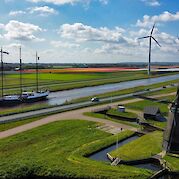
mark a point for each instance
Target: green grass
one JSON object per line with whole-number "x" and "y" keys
{"x": 140, "y": 107}
{"x": 117, "y": 113}
{"x": 172, "y": 162}
{"x": 57, "y": 150}
{"x": 13, "y": 124}
{"x": 54, "y": 81}
{"x": 63, "y": 81}
{"x": 14, "y": 110}
{"x": 130, "y": 90}
{"x": 142, "y": 104}
{"x": 141, "y": 148}
{"x": 157, "y": 123}
{"x": 163, "y": 91}
{"x": 103, "y": 116}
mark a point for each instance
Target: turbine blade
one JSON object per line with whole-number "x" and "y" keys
{"x": 143, "y": 37}
{"x": 156, "y": 41}
{"x": 6, "y": 52}
{"x": 152, "y": 29}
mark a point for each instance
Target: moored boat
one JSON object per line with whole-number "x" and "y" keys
{"x": 7, "y": 100}
{"x": 34, "y": 96}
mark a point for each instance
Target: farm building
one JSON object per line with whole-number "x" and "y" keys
{"x": 153, "y": 112}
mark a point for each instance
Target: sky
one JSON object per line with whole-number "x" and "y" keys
{"x": 89, "y": 31}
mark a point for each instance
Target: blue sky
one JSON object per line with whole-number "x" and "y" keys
{"x": 89, "y": 31}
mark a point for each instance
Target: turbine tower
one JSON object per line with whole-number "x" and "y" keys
{"x": 150, "y": 45}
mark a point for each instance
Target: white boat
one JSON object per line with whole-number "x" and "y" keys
{"x": 34, "y": 96}
{"x": 37, "y": 95}
{"x": 7, "y": 99}
{"x": 10, "y": 100}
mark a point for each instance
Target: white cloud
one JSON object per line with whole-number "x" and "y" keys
{"x": 164, "y": 17}
{"x": 72, "y": 2}
{"x": 57, "y": 2}
{"x": 151, "y": 2}
{"x": 81, "y": 33}
{"x": 43, "y": 10}
{"x": 62, "y": 44}
{"x": 21, "y": 31}
{"x": 1, "y": 26}
{"x": 15, "y": 13}
{"x": 14, "y": 45}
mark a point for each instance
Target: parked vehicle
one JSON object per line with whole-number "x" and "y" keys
{"x": 94, "y": 99}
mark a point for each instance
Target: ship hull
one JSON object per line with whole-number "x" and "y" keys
{"x": 6, "y": 103}
{"x": 35, "y": 97}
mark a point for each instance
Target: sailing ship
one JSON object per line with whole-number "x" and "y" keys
{"x": 38, "y": 94}
{"x": 9, "y": 100}
{"x": 6, "y": 99}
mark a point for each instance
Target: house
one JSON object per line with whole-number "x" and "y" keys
{"x": 153, "y": 112}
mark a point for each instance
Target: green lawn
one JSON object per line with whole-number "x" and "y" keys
{"x": 117, "y": 113}
{"x": 103, "y": 116}
{"x": 142, "y": 148}
{"x": 172, "y": 162}
{"x": 57, "y": 150}
{"x": 141, "y": 104}
{"x": 14, "y": 110}
{"x": 13, "y": 124}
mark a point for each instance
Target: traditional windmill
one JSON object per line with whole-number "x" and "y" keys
{"x": 171, "y": 134}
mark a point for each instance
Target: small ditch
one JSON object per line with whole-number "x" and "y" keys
{"x": 169, "y": 176}
{"x": 150, "y": 163}
{"x": 149, "y": 166}
{"x": 101, "y": 155}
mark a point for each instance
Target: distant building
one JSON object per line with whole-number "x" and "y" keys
{"x": 121, "y": 108}
{"x": 153, "y": 112}
{"x": 171, "y": 134}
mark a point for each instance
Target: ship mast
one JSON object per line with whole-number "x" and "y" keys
{"x": 20, "y": 71}
{"x": 37, "y": 80}
{"x": 2, "y": 71}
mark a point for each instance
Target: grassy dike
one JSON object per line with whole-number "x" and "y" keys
{"x": 142, "y": 148}
{"x": 58, "y": 150}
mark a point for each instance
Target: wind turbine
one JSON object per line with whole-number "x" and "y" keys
{"x": 150, "y": 45}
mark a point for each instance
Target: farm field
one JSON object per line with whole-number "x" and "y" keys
{"x": 51, "y": 151}
{"x": 69, "y": 80}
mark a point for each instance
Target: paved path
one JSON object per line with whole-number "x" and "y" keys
{"x": 76, "y": 114}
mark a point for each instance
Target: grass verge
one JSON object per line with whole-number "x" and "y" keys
{"x": 56, "y": 150}
{"x": 142, "y": 148}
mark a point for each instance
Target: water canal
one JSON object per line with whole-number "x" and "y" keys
{"x": 57, "y": 98}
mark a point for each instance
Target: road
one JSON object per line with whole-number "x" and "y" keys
{"x": 20, "y": 116}
{"x": 77, "y": 114}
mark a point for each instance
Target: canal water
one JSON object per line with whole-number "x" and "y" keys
{"x": 149, "y": 166}
{"x": 101, "y": 155}
{"x": 57, "y": 98}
